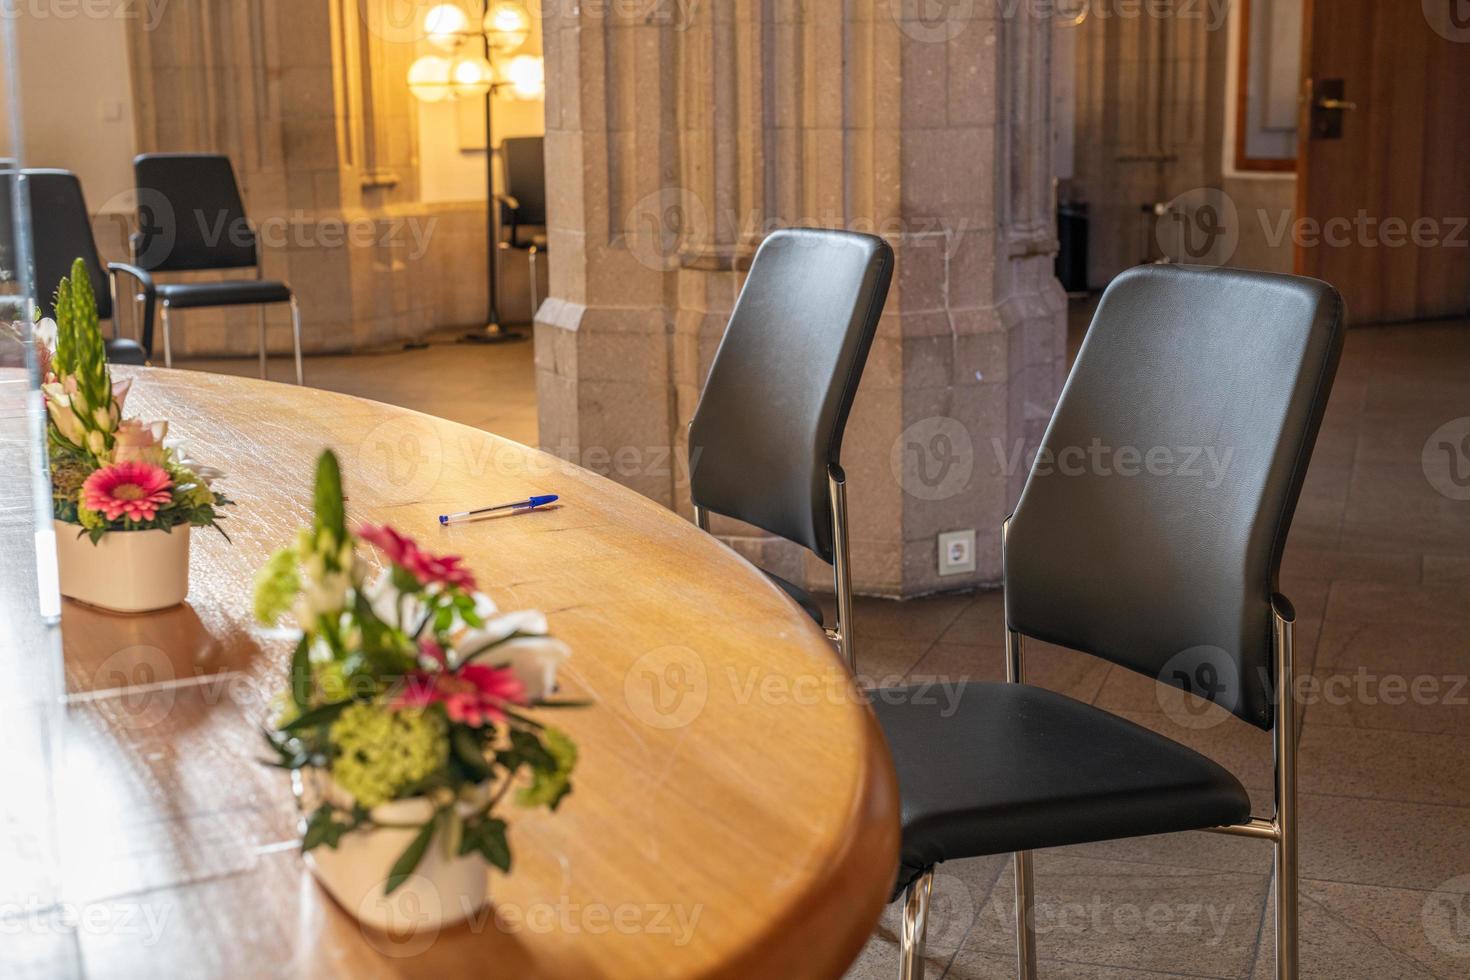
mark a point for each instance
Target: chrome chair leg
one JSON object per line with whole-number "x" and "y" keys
{"x": 296, "y": 339}
{"x": 1284, "y": 738}
{"x": 1025, "y": 876}
{"x": 260, "y": 325}
{"x": 1025, "y": 917}
{"x": 168, "y": 347}
{"x": 842, "y": 568}
{"x": 701, "y": 518}
{"x": 915, "y": 927}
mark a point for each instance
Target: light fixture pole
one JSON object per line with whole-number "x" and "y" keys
{"x": 492, "y": 332}
{"x": 434, "y": 78}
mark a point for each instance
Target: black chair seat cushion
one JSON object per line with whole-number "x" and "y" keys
{"x": 990, "y": 768}
{"x": 240, "y": 292}
{"x": 802, "y": 597}
{"x": 120, "y": 350}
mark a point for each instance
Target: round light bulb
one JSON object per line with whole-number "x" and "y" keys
{"x": 428, "y": 78}
{"x": 527, "y": 75}
{"x": 471, "y": 76}
{"x": 445, "y": 26}
{"x": 507, "y": 25}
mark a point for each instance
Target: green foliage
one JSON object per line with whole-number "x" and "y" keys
{"x": 276, "y": 585}
{"x": 324, "y": 826}
{"x": 411, "y": 856}
{"x": 81, "y": 354}
{"x": 379, "y": 751}
{"x": 485, "y": 835}
{"x": 331, "y": 509}
{"x": 551, "y": 771}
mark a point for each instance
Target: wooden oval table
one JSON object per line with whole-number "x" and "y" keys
{"x": 734, "y": 812}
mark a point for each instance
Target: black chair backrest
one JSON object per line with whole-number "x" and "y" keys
{"x": 190, "y": 215}
{"x": 783, "y": 380}
{"x": 524, "y": 159}
{"x": 1151, "y": 527}
{"x": 61, "y": 233}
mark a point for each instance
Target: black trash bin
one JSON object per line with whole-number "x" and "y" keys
{"x": 1071, "y": 265}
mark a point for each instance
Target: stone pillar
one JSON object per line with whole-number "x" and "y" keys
{"x": 679, "y": 137}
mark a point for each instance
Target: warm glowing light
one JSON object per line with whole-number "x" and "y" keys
{"x": 507, "y": 25}
{"x": 527, "y": 75}
{"x": 471, "y": 76}
{"x": 428, "y": 78}
{"x": 445, "y": 26}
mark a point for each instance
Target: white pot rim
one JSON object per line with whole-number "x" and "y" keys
{"x": 82, "y": 528}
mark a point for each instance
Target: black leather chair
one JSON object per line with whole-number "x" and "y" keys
{"x": 765, "y": 441}
{"x": 523, "y": 205}
{"x": 191, "y": 218}
{"x": 61, "y": 233}
{"x": 1167, "y": 570}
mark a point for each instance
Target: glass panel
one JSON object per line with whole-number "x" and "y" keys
{"x": 38, "y": 934}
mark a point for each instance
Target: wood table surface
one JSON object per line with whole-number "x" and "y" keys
{"x": 735, "y": 810}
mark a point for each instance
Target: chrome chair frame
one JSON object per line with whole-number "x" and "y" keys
{"x": 1280, "y": 828}
{"x": 842, "y": 633}
{"x": 163, "y": 321}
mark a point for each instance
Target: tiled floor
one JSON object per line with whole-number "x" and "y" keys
{"x": 1378, "y": 566}
{"x": 489, "y": 386}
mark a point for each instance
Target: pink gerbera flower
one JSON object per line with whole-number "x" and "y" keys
{"x": 131, "y": 489}
{"x": 405, "y": 553}
{"x": 474, "y": 696}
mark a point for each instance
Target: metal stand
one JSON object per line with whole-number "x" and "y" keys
{"x": 492, "y": 332}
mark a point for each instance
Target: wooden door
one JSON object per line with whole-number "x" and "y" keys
{"x": 1383, "y": 193}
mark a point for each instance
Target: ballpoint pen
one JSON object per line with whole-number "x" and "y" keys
{"x": 529, "y": 504}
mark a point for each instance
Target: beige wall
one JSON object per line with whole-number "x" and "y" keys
{"x": 76, "y": 97}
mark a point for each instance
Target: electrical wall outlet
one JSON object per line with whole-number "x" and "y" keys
{"x": 957, "y": 552}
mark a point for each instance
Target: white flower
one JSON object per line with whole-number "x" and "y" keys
{"x": 323, "y": 592}
{"x": 387, "y": 602}
{"x": 204, "y": 471}
{"x": 534, "y": 660}
{"x": 533, "y": 655}
{"x": 45, "y": 332}
{"x": 63, "y": 414}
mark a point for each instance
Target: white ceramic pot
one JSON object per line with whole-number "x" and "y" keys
{"x": 441, "y": 891}
{"x": 125, "y": 571}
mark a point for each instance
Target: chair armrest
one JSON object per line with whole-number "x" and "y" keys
{"x": 510, "y": 209}
{"x": 150, "y": 293}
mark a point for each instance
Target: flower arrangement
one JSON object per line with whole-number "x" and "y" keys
{"x": 109, "y": 473}
{"x": 408, "y": 684}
